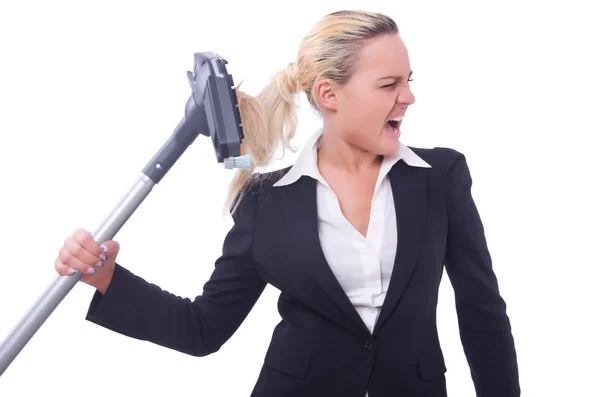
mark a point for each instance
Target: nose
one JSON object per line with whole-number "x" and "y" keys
{"x": 405, "y": 97}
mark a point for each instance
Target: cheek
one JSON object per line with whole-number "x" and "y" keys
{"x": 363, "y": 110}
{"x": 364, "y": 113}
{"x": 354, "y": 104}
{"x": 358, "y": 98}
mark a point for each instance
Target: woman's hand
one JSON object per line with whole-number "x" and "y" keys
{"x": 80, "y": 253}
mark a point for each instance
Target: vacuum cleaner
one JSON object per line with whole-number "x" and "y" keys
{"x": 211, "y": 110}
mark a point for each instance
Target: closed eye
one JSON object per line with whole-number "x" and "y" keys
{"x": 393, "y": 84}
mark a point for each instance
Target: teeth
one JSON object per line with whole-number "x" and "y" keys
{"x": 399, "y": 118}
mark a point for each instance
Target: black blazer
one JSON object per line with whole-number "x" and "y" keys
{"x": 321, "y": 347}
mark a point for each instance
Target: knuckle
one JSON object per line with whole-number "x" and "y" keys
{"x": 80, "y": 234}
{"x": 86, "y": 239}
{"x": 63, "y": 254}
{"x": 61, "y": 268}
{"x": 80, "y": 254}
{"x": 81, "y": 231}
{"x": 67, "y": 258}
{"x": 90, "y": 244}
{"x": 77, "y": 251}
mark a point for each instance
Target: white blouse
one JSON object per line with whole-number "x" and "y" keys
{"x": 362, "y": 265}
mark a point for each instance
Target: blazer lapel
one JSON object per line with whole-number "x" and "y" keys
{"x": 299, "y": 201}
{"x": 409, "y": 187}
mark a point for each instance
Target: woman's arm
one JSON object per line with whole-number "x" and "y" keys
{"x": 133, "y": 307}
{"x": 485, "y": 328}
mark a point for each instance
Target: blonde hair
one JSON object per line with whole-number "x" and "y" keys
{"x": 328, "y": 51}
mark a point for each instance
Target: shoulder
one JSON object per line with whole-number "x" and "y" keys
{"x": 441, "y": 159}
{"x": 262, "y": 182}
{"x": 450, "y": 169}
{"x": 258, "y": 188}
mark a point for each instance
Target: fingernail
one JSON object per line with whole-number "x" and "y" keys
{"x": 73, "y": 271}
{"x": 103, "y": 248}
{"x": 91, "y": 270}
{"x": 100, "y": 264}
{"x": 103, "y": 257}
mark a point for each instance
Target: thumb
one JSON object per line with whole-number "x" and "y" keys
{"x": 110, "y": 248}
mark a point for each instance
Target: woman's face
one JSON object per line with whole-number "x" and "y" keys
{"x": 377, "y": 92}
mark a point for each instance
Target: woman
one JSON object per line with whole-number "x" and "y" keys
{"x": 355, "y": 235}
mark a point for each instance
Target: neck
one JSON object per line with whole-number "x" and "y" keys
{"x": 337, "y": 153}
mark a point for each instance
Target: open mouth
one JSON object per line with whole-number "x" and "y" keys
{"x": 393, "y": 126}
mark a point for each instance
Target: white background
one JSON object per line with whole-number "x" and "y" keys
{"x": 89, "y": 91}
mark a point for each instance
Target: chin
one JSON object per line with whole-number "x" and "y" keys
{"x": 388, "y": 145}
{"x": 387, "y": 149}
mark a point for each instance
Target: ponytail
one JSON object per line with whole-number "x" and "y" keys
{"x": 269, "y": 119}
{"x": 330, "y": 50}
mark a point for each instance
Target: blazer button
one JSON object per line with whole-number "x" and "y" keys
{"x": 368, "y": 345}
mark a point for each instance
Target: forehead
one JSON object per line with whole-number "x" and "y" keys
{"x": 383, "y": 56}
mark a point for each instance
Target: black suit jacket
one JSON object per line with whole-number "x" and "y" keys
{"x": 321, "y": 347}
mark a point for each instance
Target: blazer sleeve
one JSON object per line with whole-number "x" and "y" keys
{"x": 485, "y": 329}
{"x": 136, "y": 308}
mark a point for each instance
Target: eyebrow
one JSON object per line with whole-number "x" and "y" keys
{"x": 399, "y": 78}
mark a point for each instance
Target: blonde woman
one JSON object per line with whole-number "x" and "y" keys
{"x": 355, "y": 235}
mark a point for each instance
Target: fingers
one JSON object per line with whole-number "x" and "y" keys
{"x": 85, "y": 240}
{"x": 76, "y": 257}
{"x": 112, "y": 248}
{"x": 79, "y": 253}
{"x": 63, "y": 269}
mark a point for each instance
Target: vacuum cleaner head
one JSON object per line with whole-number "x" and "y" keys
{"x": 212, "y": 111}
{"x": 213, "y": 91}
